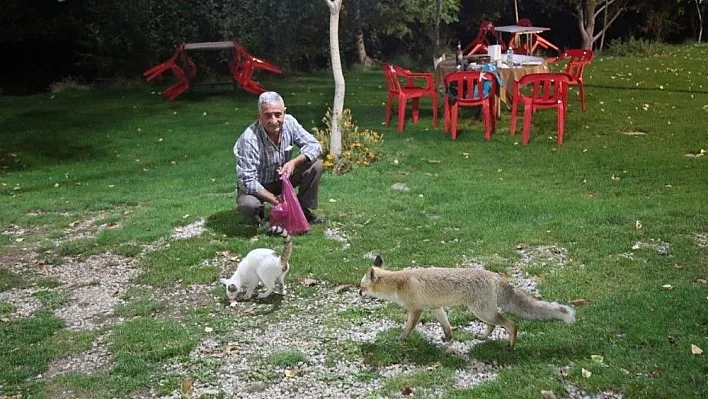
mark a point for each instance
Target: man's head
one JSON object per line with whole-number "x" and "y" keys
{"x": 271, "y": 111}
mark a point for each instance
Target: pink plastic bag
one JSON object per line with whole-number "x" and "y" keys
{"x": 288, "y": 213}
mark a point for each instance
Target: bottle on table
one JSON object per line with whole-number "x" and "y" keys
{"x": 509, "y": 57}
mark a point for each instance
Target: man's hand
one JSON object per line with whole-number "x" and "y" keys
{"x": 267, "y": 196}
{"x": 289, "y": 167}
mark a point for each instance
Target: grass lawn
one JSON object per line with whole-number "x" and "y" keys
{"x": 86, "y": 175}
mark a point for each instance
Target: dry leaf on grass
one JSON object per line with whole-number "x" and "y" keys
{"x": 186, "y": 387}
{"x": 308, "y": 282}
{"x": 407, "y": 391}
{"x": 342, "y": 288}
{"x": 580, "y": 302}
{"x": 696, "y": 350}
{"x": 548, "y": 395}
{"x": 586, "y": 373}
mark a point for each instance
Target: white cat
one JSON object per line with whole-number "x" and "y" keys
{"x": 261, "y": 265}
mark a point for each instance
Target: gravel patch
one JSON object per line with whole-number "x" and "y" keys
{"x": 327, "y": 326}
{"x": 191, "y": 230}
{"x": 236, "y": 363}
{"x": 87, "y": 362}
{"x": 338, "y": 235}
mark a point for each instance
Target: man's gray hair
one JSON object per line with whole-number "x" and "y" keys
{"x": 269, "y": 97}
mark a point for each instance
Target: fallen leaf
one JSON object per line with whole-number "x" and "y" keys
{"x": 696, "y": 350}
{"x": 548, "y": 395}
{"x": 290, "y": 373}
{"x": 586, "y": 373}
{"x": 466, "y": 155}
{"x": 433, "y": 161}
{"x": 308, "y": 282}
{"x": 186, "y": 388}
{"x": 702, "y": 281}
{"x": 342, "y": 288}
{"x": 208, "y": 329}
{"x": 597, "y": 358}
{"x": 638, "y": 224}
{"x": 580, "y": 302}
{"x": 230, "y": 348}
{"x": 407, "y": 391}
{"x": 332, "y": 200}
{"x": 667, "y": 286}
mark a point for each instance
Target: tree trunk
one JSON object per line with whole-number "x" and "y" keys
{"x": 360, "y": 45}
{"x": 700, "y": 20}
{"x": 586, "y": 23}
{"x": 604, "y": 25}
{"x": 586, "y": 12}
{"x": 335, "y": 146}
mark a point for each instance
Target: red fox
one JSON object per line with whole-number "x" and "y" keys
{"x": 482, "y": 291}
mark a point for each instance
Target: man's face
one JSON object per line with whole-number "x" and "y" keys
{"x": 271, "y": 116}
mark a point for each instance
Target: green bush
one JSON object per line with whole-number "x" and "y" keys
{"x": 637, "y": 48}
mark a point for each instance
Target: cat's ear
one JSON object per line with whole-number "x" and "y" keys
{"x": 224, "y": 281}
{"x": 378, "y": 262}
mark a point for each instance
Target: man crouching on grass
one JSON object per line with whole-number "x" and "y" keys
{"x": 263, "y": 154}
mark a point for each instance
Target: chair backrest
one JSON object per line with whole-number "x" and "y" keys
{"x": 389, "y": 70}
{"x": 524, "y": 22}
{"x": 485, "y": 27}
{"x": 471, "y": 87}
{"x": 577, "y": 60}
{"x": 547, "y": 90}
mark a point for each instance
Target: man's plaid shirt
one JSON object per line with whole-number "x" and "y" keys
{"x": 258, "y": 158}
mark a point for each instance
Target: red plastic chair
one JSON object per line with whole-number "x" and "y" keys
{"x": 537, "y": 40}
{"x": 480, "y": 43}
{"x": 547, "y": 90}
{"x": 466, "y": 89}
{"x": 394, "y": 74}
{"x": 243, "y": 67}
{"x": 577, "y": 60}
{"x": 178, "y": 63}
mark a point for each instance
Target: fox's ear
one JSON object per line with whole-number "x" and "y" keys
{"x": 372, "y": 274}
{"x": 378, "y": 262}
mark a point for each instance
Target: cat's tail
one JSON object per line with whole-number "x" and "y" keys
{"x": 287, "y": 245}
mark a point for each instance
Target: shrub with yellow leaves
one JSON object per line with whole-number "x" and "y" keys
{"x": 359, "y": 147}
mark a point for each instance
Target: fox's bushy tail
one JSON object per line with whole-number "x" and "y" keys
{"x": 287, "y": 245}
{"x": 522, "y": 305}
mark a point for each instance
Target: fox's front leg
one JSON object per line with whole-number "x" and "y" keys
{"x": 439, "y": 314}
{"x": 413, "y": 318}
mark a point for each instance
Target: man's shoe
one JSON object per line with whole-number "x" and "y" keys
{"x": 312, "y": 218}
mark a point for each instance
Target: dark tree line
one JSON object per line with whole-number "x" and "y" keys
{"x": 45, "y": 40}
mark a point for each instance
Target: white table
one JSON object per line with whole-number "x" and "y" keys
{"x": 528, "y": 31}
